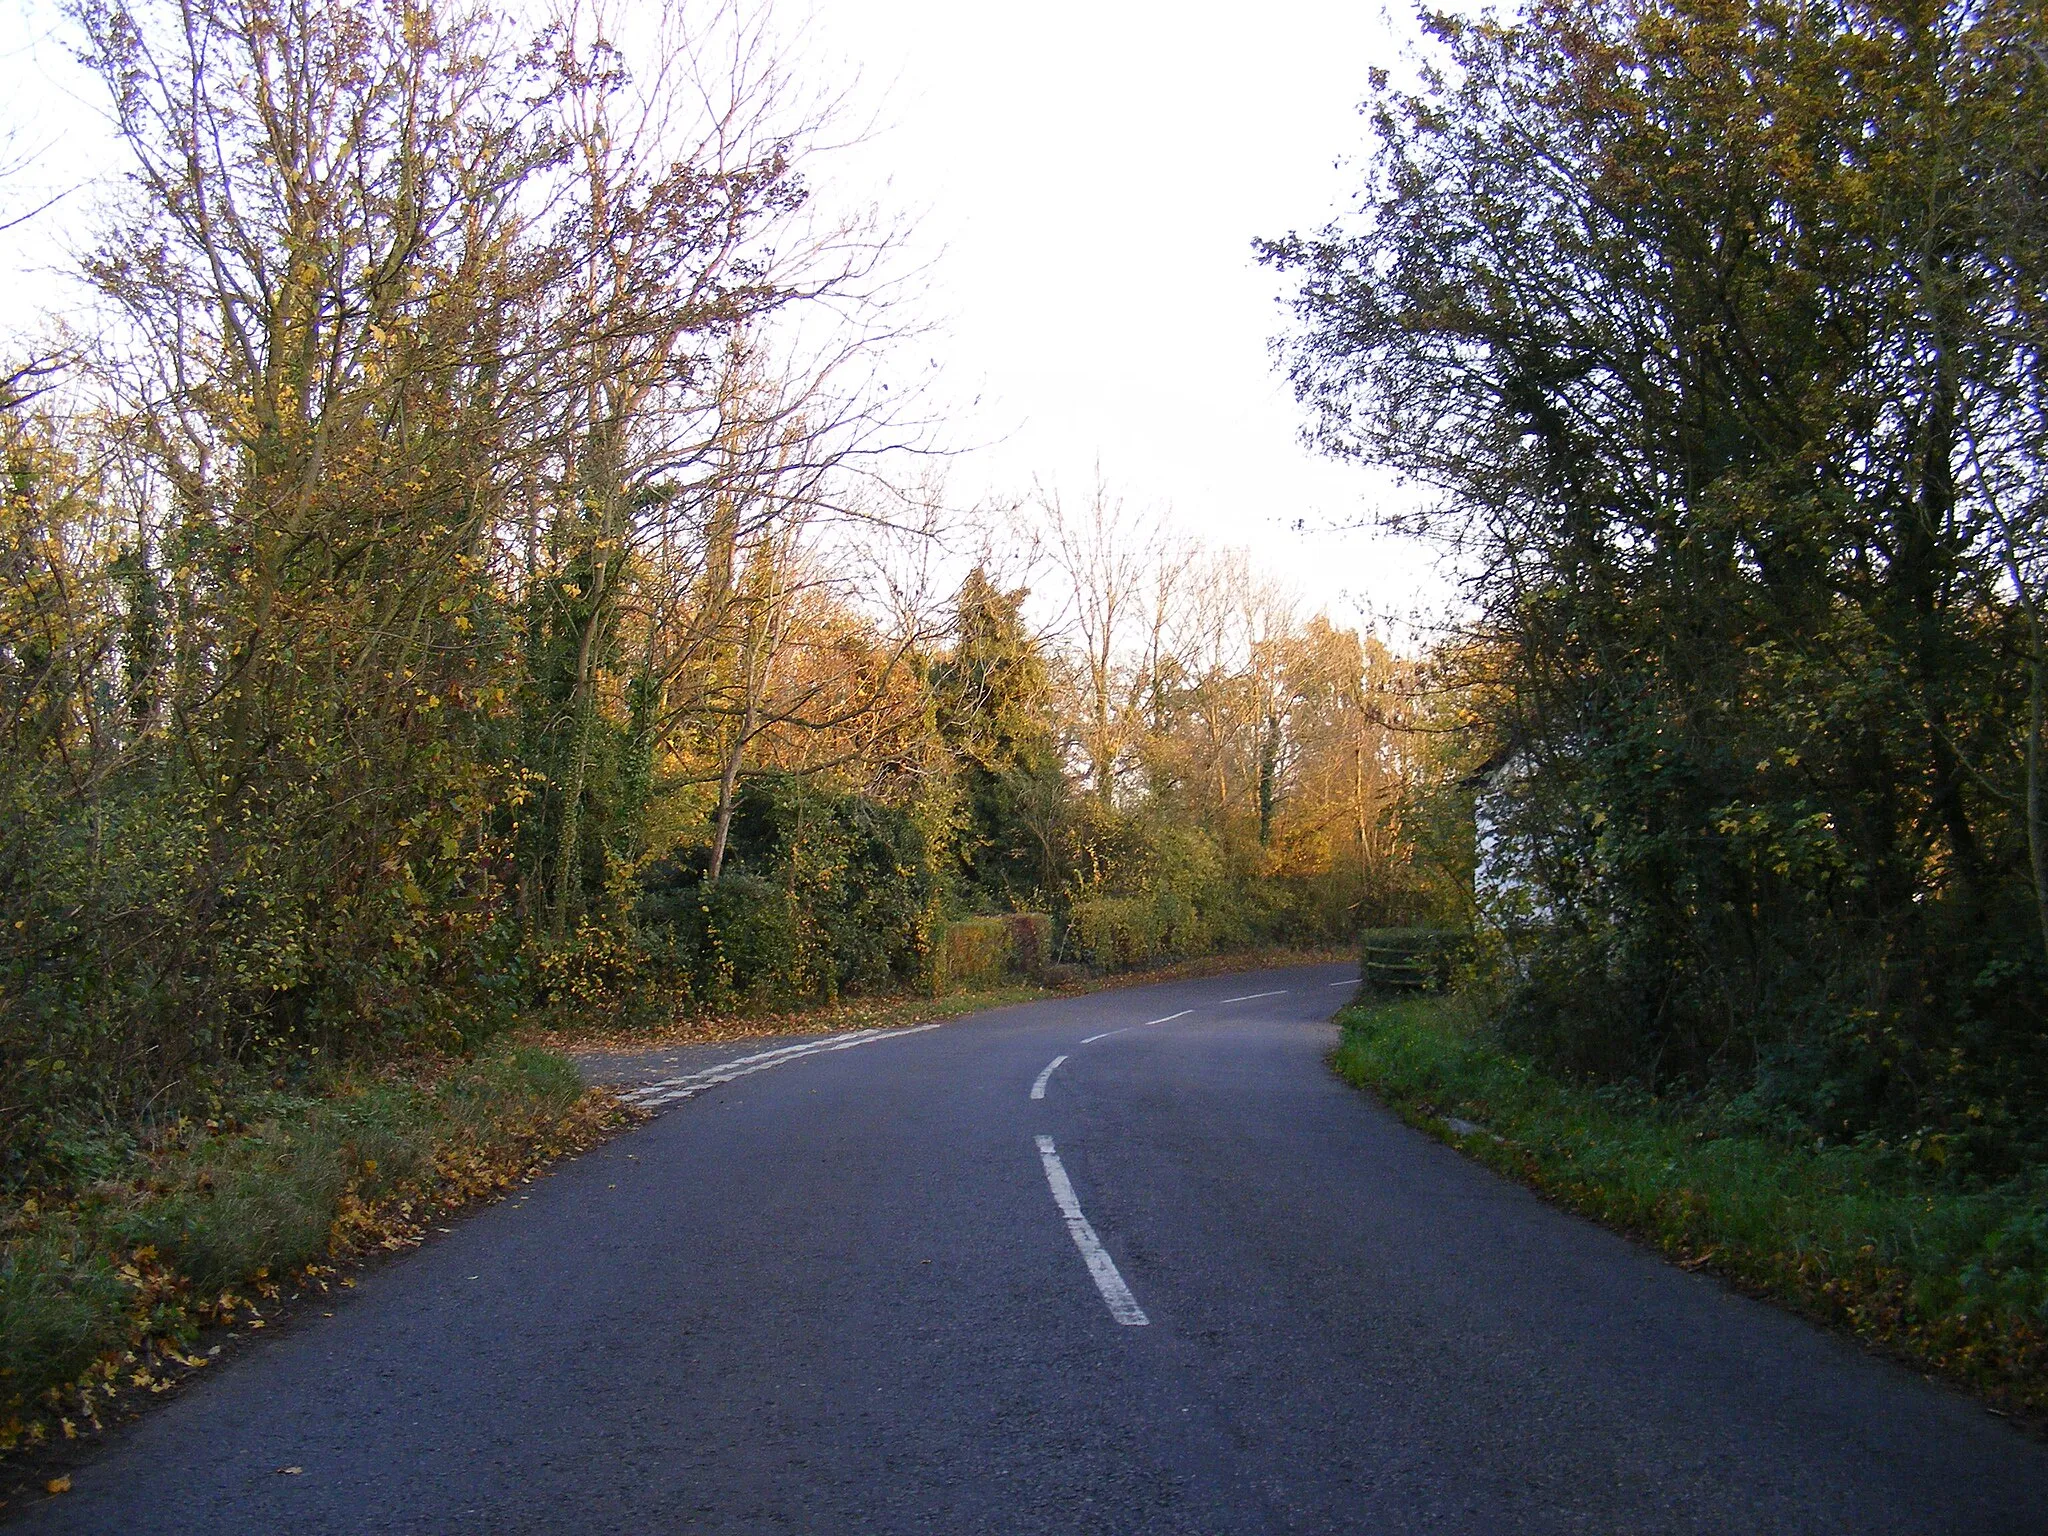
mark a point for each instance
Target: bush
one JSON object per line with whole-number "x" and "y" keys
{"x": 1119, "y": 933}
{"x": 1030, "y": 941}
{"x": 597, "y": 969}
{"x": 972, "y": 949}
{"x": 722, "y": 941}
{"x": 823, "y": 893}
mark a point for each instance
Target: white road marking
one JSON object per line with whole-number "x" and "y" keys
{"x": 1108, "y": 1032}
{"x": 1250, "y": 996}
{"x": 1123, "y": 1306}
{"x": 673, "y": 1089}
{"x": 1354, "y": 981}
{"x": 802, "y": 1048}
{"x": 1038, "y": 1088}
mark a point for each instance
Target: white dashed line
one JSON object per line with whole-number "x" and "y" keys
{"x": 671, "y": 1090}
{"x": 1123, "y": 1306}
{"x": 1038, "y": 1088}
{"x": 1171, "y": 1017}
{"x": 1104, "y": 1035}
{"x": 1354, "y": 981}
{"x": 1250, "y": 996}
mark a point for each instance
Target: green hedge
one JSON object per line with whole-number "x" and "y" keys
{"x": 823, "y": 893}
{"x": 985, "y": 948}
{"x": 1120, "y": 933}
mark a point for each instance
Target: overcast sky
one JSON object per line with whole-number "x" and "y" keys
{"x": 1091, "y": 177}
{"x": 1086, "y": 180}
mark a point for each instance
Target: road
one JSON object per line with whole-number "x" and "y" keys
{"x": 1198, "y": 1286}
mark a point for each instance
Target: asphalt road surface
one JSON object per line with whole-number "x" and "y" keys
{"x": 1197, "y": 1286}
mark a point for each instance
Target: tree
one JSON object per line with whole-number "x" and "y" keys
{"x": 685, "y": 230}
{"x": 1107, "y": 560}
{"x": 1679, "y": 308}
{"x": 992, "y": 707}
{"x": 315, "y": 268}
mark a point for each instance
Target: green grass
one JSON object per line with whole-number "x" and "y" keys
{"x": 1871, "y": 1238}
{"x": 115, "y": 1274}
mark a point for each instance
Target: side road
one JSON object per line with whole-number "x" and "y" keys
{"x": 1128, "y": 1262}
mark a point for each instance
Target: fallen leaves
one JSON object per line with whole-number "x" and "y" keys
{"x": 480, "y": 1158}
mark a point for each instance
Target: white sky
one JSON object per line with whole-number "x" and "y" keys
{"x": 1086, "y": 180}
{"x": 1090, "y": 177}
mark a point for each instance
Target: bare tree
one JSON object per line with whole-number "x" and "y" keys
{"x": 708, "y": 318}
{"x": 1103, "y": 553}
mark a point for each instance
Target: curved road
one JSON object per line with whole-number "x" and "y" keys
{"x": 882, "y": 1288}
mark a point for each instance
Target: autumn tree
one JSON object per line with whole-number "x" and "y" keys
{"x": 687, "y": 228}
{"x": 315, "y": 277}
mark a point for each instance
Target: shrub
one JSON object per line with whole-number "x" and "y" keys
{"x": 1030, "y": 941}
{"x": 595, "y": 969}
{"x": 972, "y": 949}
{"x": 1117, "y": 933}
{"x": 823, "y": 892}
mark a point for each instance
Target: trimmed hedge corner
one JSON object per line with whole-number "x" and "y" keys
{"x": 982, "y": 949}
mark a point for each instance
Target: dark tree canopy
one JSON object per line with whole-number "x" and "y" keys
{"x": 992, "y": 699}
{"x": 1716, "y": 329}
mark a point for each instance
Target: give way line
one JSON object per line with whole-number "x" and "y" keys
{"x": 672, "y": 1089}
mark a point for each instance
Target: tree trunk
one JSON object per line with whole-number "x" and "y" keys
{"x": 1269, "y": 773}
{"x": 2037, "y": 833}
{"x": 728, "y": 782}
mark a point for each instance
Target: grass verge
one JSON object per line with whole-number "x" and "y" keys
{"x": 1865, "y": 1238}
{"x": 105, "y": 1287}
